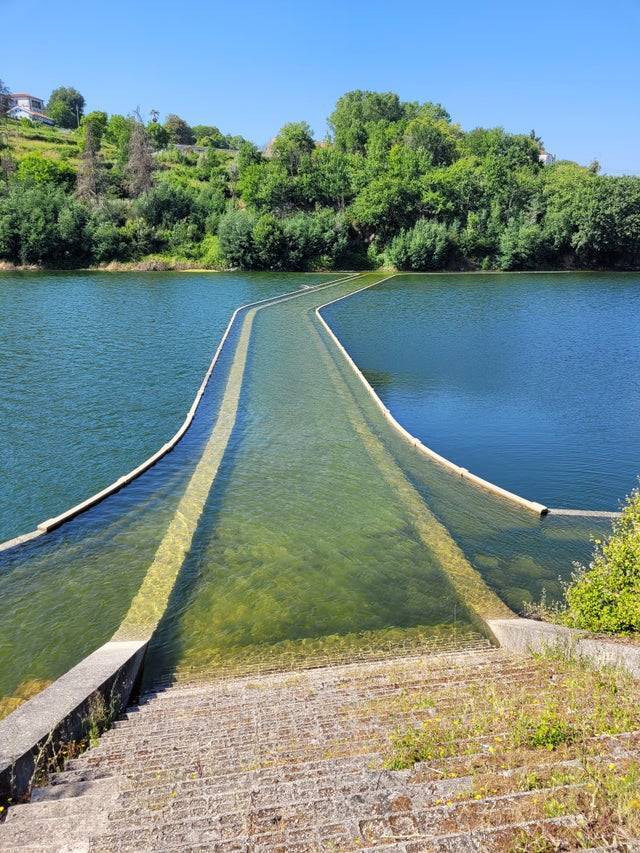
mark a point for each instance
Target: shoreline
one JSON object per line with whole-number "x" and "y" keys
{"x": 160, "y": 265}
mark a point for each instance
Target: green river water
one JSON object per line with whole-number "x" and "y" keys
{"x": 292, "y": 522}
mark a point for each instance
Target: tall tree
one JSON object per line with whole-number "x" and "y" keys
{"x": 98, "y": 122}
{"x": 66, "y": 106}
{"x": 356, "y": 110}
{"x": 290, "y": 146}
{"x": 140, "y": 165}
{"x": 179, "y": 131}
{"x": 88, "y": 180}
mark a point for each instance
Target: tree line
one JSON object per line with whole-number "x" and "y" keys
{"x": 394, "y": 183}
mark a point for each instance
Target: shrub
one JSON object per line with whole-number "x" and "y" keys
{"x": 268, "y": 240}
{"x": 236, "y": 239}
{"x": 164, "y": 205}
{"x": 521, "y": 245}
{"x": 427, "y": 246}
{"x": 210, "y": 254}
{"x": 40, "y": 225}
{"x": 37, "y": 169}
{"x": 546, "y": 731}
{"x": 606, "y": 595}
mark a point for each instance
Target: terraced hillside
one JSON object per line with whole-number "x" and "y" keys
{"x": 468, "y": 750}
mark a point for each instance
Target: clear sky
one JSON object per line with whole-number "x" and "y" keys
{"x": 568, "y": 69}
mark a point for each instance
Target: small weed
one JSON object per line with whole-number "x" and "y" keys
{"x": 554, "y": 808}
{"x": 532, "y": 843}
{"x": 547, "y": 730}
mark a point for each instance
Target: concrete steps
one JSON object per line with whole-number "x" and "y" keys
{"x": 300, "y": 761}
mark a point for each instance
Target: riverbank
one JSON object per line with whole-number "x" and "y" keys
{"x": 162, "y": 264}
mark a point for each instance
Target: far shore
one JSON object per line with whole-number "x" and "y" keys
{"x": 162, "y": 265}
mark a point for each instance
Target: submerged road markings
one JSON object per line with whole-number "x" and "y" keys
{"x": 466, "y": 581}
{"x": 150, "y": 602}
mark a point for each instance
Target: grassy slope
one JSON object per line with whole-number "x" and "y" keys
{"x": 59, "y": 144}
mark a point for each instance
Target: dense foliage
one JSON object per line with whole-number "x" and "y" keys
{"x": 606, "y": 595}
{"x": 66, "y": 106}
{"x": 396, "y": 183}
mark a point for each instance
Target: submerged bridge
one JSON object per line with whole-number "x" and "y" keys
{"x": 291, "y": 524}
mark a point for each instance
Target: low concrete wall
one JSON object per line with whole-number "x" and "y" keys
{"x": 60, "y": 713}
{"x": 56, "y": 521}
{"x": 523, "y": 636}
{"x": 532, "y": 506}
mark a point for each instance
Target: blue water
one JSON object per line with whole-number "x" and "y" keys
{"x": 322, "y": 532}
{"x": 531, "y": 380}
{"x": 98, "y": 370}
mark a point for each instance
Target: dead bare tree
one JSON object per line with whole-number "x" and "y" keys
{"x": 140, "y": 165}
{"x": 88, "y": 180}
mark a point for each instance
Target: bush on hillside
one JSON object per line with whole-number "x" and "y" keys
{"x": 606, "y": 595}
{"x": 429, "y": 245}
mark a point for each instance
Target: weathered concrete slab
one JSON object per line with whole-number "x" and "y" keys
{"x": 60, "y": 712}
{"x": 522, "y": 636}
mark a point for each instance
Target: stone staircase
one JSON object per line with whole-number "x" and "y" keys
{"x": 302, "y": 761}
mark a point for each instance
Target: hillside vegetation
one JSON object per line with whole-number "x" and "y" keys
{"x": 395, "y": 183}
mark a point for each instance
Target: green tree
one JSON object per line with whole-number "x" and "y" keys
{"x": 97, "y": 122}
{"x": 326, "y": 182}
{"x": 164, "y": 205}
{"x": 438, "y": 138}
{"x": 158, "y": 135}
{"x": 292, "y": 145}
{"x": 41, "y": 224}
{"x": 268, "y": 242}
{"x": 209, "y": 135}
{"x": 236, "y": 239}
{"x": 66, "y": 106}
{"x": 118, "y": 130}
{"x": 248, "y": 155}
{"x": 383, "y": 207}
{"x": 178, "y": 130}
{"x": 429, "y": 245}
{"x": 356, "y": 110}
{"x": 521, "y": 244}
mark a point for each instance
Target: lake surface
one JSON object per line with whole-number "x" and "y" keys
{"x": 321, "y": 531}
{"x": 531, "y": 381}
{"x": 97, "y": 371}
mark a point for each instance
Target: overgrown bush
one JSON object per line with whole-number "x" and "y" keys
{"x": 236, "y": 239}
{"x": 606, "y": 595}
{"x": 429, "y": 245}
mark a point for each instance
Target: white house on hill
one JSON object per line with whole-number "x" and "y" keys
{"x": 22, "y": 105}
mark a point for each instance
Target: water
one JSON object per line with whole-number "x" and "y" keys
{"x": 530, "y": 381}
{"x": 97, "y": 371}
{"x": 291, "y": 522}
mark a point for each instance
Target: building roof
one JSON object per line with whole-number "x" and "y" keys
{"x": 24, "y": 95}
{"x": 31, "y": 112}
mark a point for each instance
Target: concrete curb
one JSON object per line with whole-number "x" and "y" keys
{"x": 56, "y": 521}
{"x": 532, "y": 506}
{"x": 60, "y": 712}
{"x": 524, "y": 636}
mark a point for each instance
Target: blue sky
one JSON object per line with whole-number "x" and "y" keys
{"x": 568, "y": 69}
